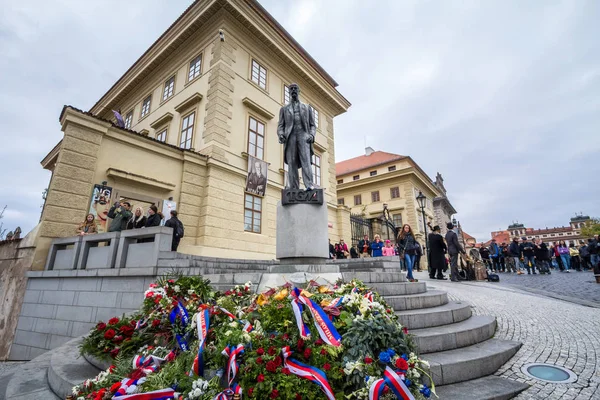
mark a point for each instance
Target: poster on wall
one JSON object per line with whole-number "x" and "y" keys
{"x": 99, "y": 206}
{"x": 256, "y": 181}
{"x": 168, "y": 205}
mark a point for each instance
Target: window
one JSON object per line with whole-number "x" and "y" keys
{"x": 375, "y": 196}
{"x": 358, "y": 200}
{"x": 146, "y": 106}
{"x": 341, "y": 201}
{"x": 397, "y": 220}
{"x": 391, "y": 168}
{"x": 259, "y": 75}
{"x": 128, "y": 120}
{"x": 340, "y": 181}
{"x": 355, "y": 177}
{"x": 187, "y": 131}
{"x": 373, "y": 173}
{"x": 286, "y": 94}
{"x": 195, "y": 67}
{"x": 169, "y": 87}
{"x": 162, "y": 136}
{"x": 316, "y": 169}
{"x": 395, "y": 192}
{"x": 256, "y": 138}
{"x": 252, "y": 213}
{"x": 316, "y": 115}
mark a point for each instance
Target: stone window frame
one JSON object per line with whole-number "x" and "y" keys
{"x": 181, "y": 129}
{"x": 316, "y": 168}
{"x": 391, "y": 168}
{"x": 147, "y": 100}
{"x": 128, "y": 120}
{"x": 395, "y": 220}
{"x": 160, "y": 132}
{"x": 253, "y": 212}
{"x": 375, "y": 198}
{"x": 340, "y": 181}
{"x": 197, "y": 73}
{"x": 341, "y": 201}
{"x": 316, "y": 115}
{"x": 373, "y": 173}
{"x": 169, "y": 87}
{"x": 249, "y": 132}
{"x": 395, "y": 190}
{"x": 257, "y": 82}
{"x": 356, "y": 177}
{"x": 286, "y": 93}
{"x": 358, "y": 199}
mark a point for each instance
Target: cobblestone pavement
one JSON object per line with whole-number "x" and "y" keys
{"x": 551, "y": 330}
{"x": 578, "y": 287}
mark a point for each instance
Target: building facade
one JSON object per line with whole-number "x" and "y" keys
{"x": 196, "y": 105}
{"x": 570, "y": 234}
{"x": 367, "y": 182}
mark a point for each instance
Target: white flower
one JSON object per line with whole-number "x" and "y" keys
{"x": 424, "y": 363}
{"x": 177, "y": 289}
{"x": 233, "y": 324}
{"x": 190, "y": 291}
{"x": 228, "y": 333}
{"x": 197, "y": 392}
{"x": 248, "y": 284}
{"x": 75, "y": 389}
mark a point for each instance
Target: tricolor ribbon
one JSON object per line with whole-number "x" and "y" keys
{"x": 394, "y": 382}
{"x": 324, "y": 325}
{"x": 147, "y": 365}
{"x": 227, "y": 394}
{"x": 202, "y": 323}
{"x": 233, "y": 365}
{"x": 247, "y": 326}
{"x": 307, "y": 372}
{"x": 180, "y": 310}
{"x": 163, "y": 394}
{"x": 141, "y": 323}
{"x": 369, "y": 296}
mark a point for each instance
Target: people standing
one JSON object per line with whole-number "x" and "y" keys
{"x": 377, "y": 247}
{"x": 542, "y": 259}
{"x": 593, "y": 249}
{"x": 454, "y": 248}
{"x": 364, "y": 247}
{"x": 178, "y": 230}
{"x": 575, "y": 259}
{"x": 584, "y": 253}
{"x": 344, "y": 249}
{"x": 154, "y": 217}
{"x": 120, "y": 214}
{"x": 88, "y": 226}
{"x": 418, "y": 255}
{"x": 564, "y": 254}
{"x": 495, "y": 256}
{"x": 503, "y": 254}
{"x": 137, "y": 220}
{"x": 485, "y": 256}
{"x": 353, "y": 252}
{"x": 406, "y": 241}
{"x": 514, "y": 253}
{"x": 527, "y": 253}
{"x": 388, "y": 250}
{"x": 331, "y": 250}
{"x": 437, "y": 251}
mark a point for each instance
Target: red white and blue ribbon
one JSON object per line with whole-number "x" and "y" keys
{"x": 297, "y": 308}
{"x": 141, "y": 323}
{"x": 307, "y": 372}
{"x": 163, "y": 394}
{"x": 369, "y": 296}
{"x": 247, "y": 326}
{"x": 227, "y": 394}
{"x": 233, "y": 365}
{"x": 202, "y": 323}
{"x": 180, "y": 310}
{"x": 324, "y": 325}
{"x": 394, "y": 382}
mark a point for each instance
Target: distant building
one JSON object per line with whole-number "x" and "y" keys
{"x": 570, "y": 234}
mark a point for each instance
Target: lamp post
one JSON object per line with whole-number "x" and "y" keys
{"x": 422, "y": 200}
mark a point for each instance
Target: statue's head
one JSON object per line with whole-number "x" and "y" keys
{"x": 294, "y": 91}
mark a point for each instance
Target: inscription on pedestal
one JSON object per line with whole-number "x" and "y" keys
{"x": 296, "y": 196}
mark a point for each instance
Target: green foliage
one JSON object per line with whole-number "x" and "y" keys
{"x": 591, "y": 228}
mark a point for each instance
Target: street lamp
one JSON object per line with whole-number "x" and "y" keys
{"x": 422, "y": 200}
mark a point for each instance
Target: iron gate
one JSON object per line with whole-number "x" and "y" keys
{"x": 360, "y": 227}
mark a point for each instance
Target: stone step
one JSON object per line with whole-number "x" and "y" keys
{"x": 67, "y": 368}
{"x": 30, "y": 382}
{"x": 373, "y": 277}
{"x": 470, "y": 362}
{"x": 431, "y": 298}
{"x": 399, "y": 288}
{"x": 435, "y": 316}
{"x": 474, "y": 330}
{"x": 487, "y": 388}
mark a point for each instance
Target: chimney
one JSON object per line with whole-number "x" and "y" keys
{"x": 369, "y": 150}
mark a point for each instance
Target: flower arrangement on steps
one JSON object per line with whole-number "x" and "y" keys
{"x": 189, "y": 342}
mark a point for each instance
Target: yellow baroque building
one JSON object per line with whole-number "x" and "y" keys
{"x": 201, "y": 100}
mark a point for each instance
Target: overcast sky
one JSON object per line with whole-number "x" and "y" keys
{"x": 501, "y": 97}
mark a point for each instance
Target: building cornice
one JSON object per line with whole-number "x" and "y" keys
{"x": 50, "y": 159}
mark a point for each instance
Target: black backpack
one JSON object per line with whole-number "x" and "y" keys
{"x": 180, "y": 231}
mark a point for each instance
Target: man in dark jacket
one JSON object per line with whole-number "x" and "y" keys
{"x": 526, "y": 248}
{"x": 120, "y": 214}
{"x": 593, "y": 249}
{"x": 364, "y": 247}
{"x": 177, "y": 226}
{"x": 485, "y": 256}
{"x": 542, "y": 259}
{"x": 584, "y": 252}
{"x": 514, "y": 252}
{"x": 437, "y": 251}
{"x": 495, "y": 255}
{"x": 454, "y": 248}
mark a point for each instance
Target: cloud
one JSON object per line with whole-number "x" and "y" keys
{"x": 502, "y": 98}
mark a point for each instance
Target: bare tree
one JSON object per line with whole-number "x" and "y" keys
{"x": 2, "y": 230}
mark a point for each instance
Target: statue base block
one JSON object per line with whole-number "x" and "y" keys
{"x": 302, "y": 233}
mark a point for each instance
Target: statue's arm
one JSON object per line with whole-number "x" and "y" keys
{"x": 281, "y": 125}
{"x": 311, "y": 122}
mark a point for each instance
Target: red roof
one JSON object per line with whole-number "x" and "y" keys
{"x": 502, "y": 237}
{"x": 467, "y": 236}
{"x": 363, "y": 162}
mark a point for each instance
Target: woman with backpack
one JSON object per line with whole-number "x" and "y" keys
{"x": 408, "y": 250}
{"x": 177, "y": 226}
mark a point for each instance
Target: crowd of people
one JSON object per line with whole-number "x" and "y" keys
{"x": 124, "y": 219}
{"x": 532, "y": 255}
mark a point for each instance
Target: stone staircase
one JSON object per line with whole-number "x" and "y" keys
{"x": 458, "y": 345}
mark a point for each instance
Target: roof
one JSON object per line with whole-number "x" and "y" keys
{"x": 550, "y": 230}
{"x": 363, "y": 162}
{"x": 467, "y": 236}
{"x": 502, "y": 237}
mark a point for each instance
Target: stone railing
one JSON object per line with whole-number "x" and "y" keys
{"x": 127, "y": 249}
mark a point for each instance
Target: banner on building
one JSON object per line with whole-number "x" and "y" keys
{"x": 168, "y": 205}
{"x": 99, "y": 206}
{"x": 256, "y": 181}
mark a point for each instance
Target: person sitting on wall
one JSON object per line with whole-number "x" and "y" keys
{"x": 353, "y": 252}
{"x": 88, "y": 226}
{"x": 154, "y": 217}
{"x": 177, "y": 226}
{"x": 120, "y": 214}
{"x": 137, "y": 220}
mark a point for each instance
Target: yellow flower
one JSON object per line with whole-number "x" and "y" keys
{"x": 305, "y": 293}
{"x": 323, "y": 289}
{"x": 281, "y": 295}
{"x": 262, "y": 300}
{"x": 325, "y": 303}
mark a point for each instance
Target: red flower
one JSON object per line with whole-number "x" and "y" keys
{"x": 323, "y": 352}
{"x": 300, "y": 344}
{"x": 113, "y": 321}
{"x": 307, "y": 352}
{"x": 101, "y": 326}
{"x": 286, "y": 336}
{"x": 260, "y": 351}
{"x": 326, "y": 367}
{"x": 274, "y": 394}
{"x": 298, "y": 397}
{"x": 133, "y": 323}
{"x": 271, "y": 367}
{"x": 260, "y": 378}
{"x": 272, "y": 351}
{"x": 250, "y": 391}
{"x": 259, "y": 360}
{"x": 227, "y": 293}
{"x": 401, "y": 364}
{"x": 157, "y": 299}
{"x": 118, "y": 339}
{"x": 405, "y": 330}
{"x": 319, "y": 341}
{"x": 109, "y": 334}
{"x": 127, "y": 330}
{"x": 114, "y": 353}
{"x": 149, "y": 294}
{"x": 386, "y": 389}
{"x": 277, "y": 361}
{"x": 171, "y": 281}
{"x": 156, "y": 323}
{"x": 285, "y": 371}
{"x": 115, "y": 387}
{"x": 368, "y": 360}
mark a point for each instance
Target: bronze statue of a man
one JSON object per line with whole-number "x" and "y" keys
{"x": 296, "y": 130}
